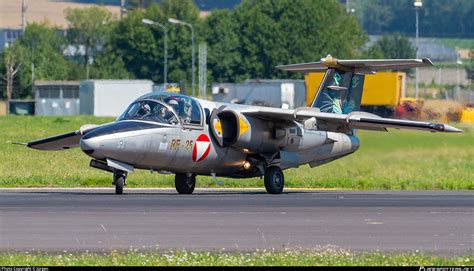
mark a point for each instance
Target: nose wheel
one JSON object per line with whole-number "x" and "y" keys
{"x": 274, "y": 180}
{"x": 119, "y": 181}
{"x": 185, "y": 184}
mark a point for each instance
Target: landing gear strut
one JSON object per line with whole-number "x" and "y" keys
{"x": 274, "y": 180}
{"x": 119, "y": 181}
{"x": 185, "y": 183}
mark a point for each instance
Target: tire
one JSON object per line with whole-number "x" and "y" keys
{"x": 274, "y": 180}
{"x": 184, "y": 184}
{"x": 119, "y": 184}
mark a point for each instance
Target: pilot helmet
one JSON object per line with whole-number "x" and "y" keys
{"x": 174, "y": 104}
{"x": 146, "y": 107}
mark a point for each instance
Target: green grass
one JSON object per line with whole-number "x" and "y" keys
{"x": 326, "y": 256}
{"x": 394, "y": 160}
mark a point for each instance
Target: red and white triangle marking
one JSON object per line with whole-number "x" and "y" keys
{"x": 201, "y": 148}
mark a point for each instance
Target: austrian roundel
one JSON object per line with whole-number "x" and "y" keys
{"x": 201, "y": 148}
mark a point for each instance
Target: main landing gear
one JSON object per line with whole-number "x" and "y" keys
{"x": 185, "y": 183}
{"x": 274, "y": 180}
{"x": 120, "y": 179}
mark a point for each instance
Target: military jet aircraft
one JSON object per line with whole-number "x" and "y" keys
{"x": 173, "y": 133}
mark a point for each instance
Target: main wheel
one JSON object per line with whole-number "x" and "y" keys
{"x": 119, "y": 180}
{"x": 185, "y": 184}
{"x": 274, "y": 180}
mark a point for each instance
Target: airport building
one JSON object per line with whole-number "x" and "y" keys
{"x": 273, "y": 93}
{"x": 105, "y": 98}
{"x": 56, "y": 98}
{"x": 109, "y": 98}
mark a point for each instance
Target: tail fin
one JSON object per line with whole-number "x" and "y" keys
{"x": 340, "y": 91}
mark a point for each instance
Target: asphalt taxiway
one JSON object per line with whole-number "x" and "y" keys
{"x": 97, "y": 220}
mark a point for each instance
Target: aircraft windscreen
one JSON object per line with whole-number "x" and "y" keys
{"x": 149, "y": 111}
{"x": 187, "y": 109}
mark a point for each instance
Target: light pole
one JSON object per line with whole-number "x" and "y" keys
{"x": 417, "y": 4}
{"x": 175, "y": 21}
{"x": 458, "y": 62}
{"x": 165, "y": 54}
{"x": 348, "y": 7}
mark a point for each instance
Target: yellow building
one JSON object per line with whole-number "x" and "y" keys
{"x": 381, "y": 89}
{"x": 467, "y": 115}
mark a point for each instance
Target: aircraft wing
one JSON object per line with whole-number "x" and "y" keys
{"x": 57, "y": 142}
{"x": 62, "y": 141}
{"x": 344, "y": 122}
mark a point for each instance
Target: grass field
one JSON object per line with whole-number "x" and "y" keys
{"x": 394, "y": 160}
{"x": 326, "y": 256}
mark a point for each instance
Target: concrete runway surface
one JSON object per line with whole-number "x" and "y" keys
{"x": 440, "y": 222}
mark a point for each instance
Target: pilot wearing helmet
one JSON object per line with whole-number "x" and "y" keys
{"x": 144, "y": 111}
{"x": 174, "y": 104}
{"x": 169, "y": 115}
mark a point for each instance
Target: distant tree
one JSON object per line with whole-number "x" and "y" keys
{"x": 179, "y": 37}
{"x": 396, "y": 46}
{"x": 373, "y": 52}
{"x": 133, "y": 4}
{"x": 282, "y": 32}
{"x": 221, "y": 31}
{"x": 437, "y": 18}
{"x": 140, "y": 46}
{"x": 108, "y": 65}
{"x": 3, "y": 82}
{"x": 469, "y": 65}
{"x": 374, "y": 16}
{"x": 88, "y": 28}
{"x": 13, "y": 60}
{"x": 43, "y": 55}
{"x": 244, "y": 43}
{"x": 134, "y": 44}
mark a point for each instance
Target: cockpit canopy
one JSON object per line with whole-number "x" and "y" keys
{"x": 164, "y": 107}
{"x": 150, "y": 111}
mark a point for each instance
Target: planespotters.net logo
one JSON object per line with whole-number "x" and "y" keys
{"x": 452, "y": 268}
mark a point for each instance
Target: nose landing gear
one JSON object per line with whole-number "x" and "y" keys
{"x": 274, "y": 180}
{"x": 120, "y": 179}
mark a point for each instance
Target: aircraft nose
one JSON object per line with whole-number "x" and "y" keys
{"x": 89, "y": 145}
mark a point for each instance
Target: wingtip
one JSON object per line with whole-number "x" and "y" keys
{"x": 17, "y": 143}
{"x": 427, "y": 62}
{"x": 446, "y": 128}
{"x": 451, "y": 129}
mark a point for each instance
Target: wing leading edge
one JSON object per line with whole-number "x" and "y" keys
{"x": 342, "y": 122}
{"x": 57, "y": 142}
{"x": 63, "y": 141}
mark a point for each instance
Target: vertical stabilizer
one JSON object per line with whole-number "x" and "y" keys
{"x": 341, "y": 89}
{"x": 340, "y": 92}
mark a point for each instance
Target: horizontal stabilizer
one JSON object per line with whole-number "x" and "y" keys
{"x": 357, "y": 65}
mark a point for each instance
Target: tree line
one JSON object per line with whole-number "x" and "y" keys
{"x": 243, "y": 43}
{"x": 437, "y": 18}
